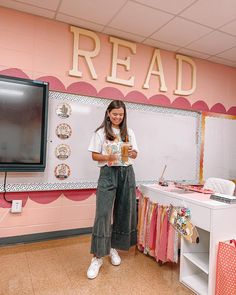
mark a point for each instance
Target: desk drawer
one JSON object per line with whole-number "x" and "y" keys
{"x": 200, "y": 216}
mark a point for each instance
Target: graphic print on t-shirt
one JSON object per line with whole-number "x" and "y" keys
{"x": 114, "y": 148}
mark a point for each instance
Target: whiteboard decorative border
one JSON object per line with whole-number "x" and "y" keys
{"x": 130, "y": 105}
{"x": 58, "y": 186}
{"x": 50, "y": 186}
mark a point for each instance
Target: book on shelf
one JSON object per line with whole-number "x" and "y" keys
{"x": 223, "y": 198}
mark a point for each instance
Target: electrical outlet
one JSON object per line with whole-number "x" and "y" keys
{"x": 16, "y": 206}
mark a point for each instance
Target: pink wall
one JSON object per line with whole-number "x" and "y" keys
{"x": 60, "y": 214}
{"x": 40, "y": 48}
{"x": 43, "y": 48}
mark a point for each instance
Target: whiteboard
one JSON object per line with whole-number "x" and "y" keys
{"x": 165, "y": 137}
{"x": 219, "y": 148}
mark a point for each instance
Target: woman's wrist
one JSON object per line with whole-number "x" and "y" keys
{"x": 108, "y": 158}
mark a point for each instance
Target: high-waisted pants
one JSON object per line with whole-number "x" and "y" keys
{"x": 115, "y": 200}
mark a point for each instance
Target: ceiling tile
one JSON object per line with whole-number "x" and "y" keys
{"x": 193, "y": 53}
{"x": 214, "y": 43}
{"x": 229, "y": 54}
{"x": 213, "y": 13}
{"x": 134, "y": 17}
{"x": 180, "y": 32}
{"x": 79, "y": 22}
{"x": 168, "y": 5}
{"x": 98, "y": 11}
{"x": 229, "y": 28}
{"x": 123, "y": 35}
{"x": 52, "y": 4}
{"x": 222, "y": 61}
{"x": 27, "y": 8}
{"x": 160, "y": 45}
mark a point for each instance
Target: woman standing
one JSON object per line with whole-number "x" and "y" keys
{"x": 114, "y": 147}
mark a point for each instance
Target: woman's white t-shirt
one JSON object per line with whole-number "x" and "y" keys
{"x": 99, "y": 144}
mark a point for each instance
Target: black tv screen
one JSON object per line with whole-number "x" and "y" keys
{"x": 23, "y": 124}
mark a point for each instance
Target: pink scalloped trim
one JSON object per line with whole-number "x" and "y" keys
{"x": 160, "y": 99}
{"x": 218, "y": 108}
{"x": 85, "y": 88}
{"x": 232, "y": 111}
{"x": 13, "y": 72}
{"x": 82, "y": 88}
{"x": 200, "y": 105}
{"x": 12, "y": 196}
{"x": 108, "y": 92}
{"x": 45, "y": 197}
{"x": 55, "y": 83}
{"x": 79, "y": 195}
{"x": 181, "y": 103}
{"x": 136, "y": 96}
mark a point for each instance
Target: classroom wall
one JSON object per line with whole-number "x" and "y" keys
{"x": 38, "y": 48}
{"x": 48, "y": 211}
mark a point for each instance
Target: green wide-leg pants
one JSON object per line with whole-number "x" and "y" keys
{"x": 115, "y": 200}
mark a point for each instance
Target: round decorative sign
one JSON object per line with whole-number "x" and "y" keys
{"x": 63, "y": 110}
{"x": 63, "y": 131}
{"x": 62, "y": 171}
{"x": 62, "y": 151}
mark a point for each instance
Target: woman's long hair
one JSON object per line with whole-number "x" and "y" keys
{"x": 115, "y": 104}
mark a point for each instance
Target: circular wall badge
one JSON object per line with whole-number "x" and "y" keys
{"x": 62, "y": 151}
{"x": 63, "y": 110}
{"x": 63, "y": 131}
{"x": 62, "y": 171}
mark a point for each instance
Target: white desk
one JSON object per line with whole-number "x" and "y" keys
{"x": 216, "y": 222}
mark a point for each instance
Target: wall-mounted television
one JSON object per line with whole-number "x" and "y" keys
{"x": 23, "y": 124}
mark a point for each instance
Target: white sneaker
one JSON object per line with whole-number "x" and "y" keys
{"x": 115, "y": 258}
{"x": 94, "y": 267}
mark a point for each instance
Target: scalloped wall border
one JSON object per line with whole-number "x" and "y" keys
{"x": 85, "y": 88}
{"x": 45, "y": 197}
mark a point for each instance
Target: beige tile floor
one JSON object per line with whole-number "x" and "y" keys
{"x": 58, "y": 267}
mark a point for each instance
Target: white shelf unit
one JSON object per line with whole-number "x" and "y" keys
{"x": 201, "y": 260}
{"x": 214, "y": 223}
{"x": 197, "y": 283}
{"x": 194, "y": 269}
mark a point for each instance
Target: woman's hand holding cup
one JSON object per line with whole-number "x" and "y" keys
{"x": 127, "y": 152}
{"x": 132, "y": 153}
